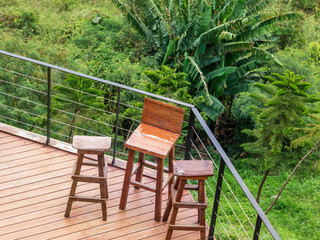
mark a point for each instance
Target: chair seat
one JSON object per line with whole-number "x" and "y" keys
{"x": 91, "y": 143}
{"x": 152, "y": 140}
{"x": 193, "y": 168}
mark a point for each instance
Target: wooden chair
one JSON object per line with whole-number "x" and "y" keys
{"x": 157, "y": 134}
{"x": 90, "y": 145}
{"x": 188, "y": 170}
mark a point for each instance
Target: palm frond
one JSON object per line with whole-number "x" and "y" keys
{"x": 266, "y": 56}
{"x": 251, "y": 34}
{"x": 211, "y": 35}
{"x": 212, "y": 110}
{"x": 268, "y": 19}
{"x": 205, "y": 19}
{"x": 156, "y": 13}
{"x": 254, "y": 6}
{"x": 226, "y": 36}
{"x": 194, "y": 70}
{"x": 134, "y": 20}
{"x": 233, "y": 47}
{"x": 217, "y": 4}
{"x": 224, "y": 13}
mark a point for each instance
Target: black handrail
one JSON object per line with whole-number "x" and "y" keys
{"x": 97, "y": 79}
{"x": 194, "y": 113}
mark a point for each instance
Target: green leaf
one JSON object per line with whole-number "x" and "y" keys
{"x": 220, "y": 72}
{"x": 170, "y": 51}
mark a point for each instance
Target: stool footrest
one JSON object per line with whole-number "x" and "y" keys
{"x": 190, "y": 205}
{"x": 191, "y": 187}
{"x": 90, "y": 163}
{"x": 88, "y": 199}
{"x": 140, "y": 185}
{"x": 187, "y": 227}
{"x": 153, "y": 165}
{"x": 90, "y": 179}
{"x": 167, "y": 180}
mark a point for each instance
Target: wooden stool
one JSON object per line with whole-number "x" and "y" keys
{"x": 90, "y": 145}
{"x": 192, "y": 170}
{"x": 157, "y": 134}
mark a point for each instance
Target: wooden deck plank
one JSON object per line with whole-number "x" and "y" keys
{"x": 32, "y": 162}
{"x": 35, "y": 181}
{"x": 28, "y": 153}
{"x": 56, "y": 221}
{"x": 8, "y": 139}
{"x": 5, "y": 153}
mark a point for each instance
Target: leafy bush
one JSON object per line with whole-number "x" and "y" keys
{"x": 314, "y": 49}
{"x": 310, "y": 6}
{"x": 25, "y": 20}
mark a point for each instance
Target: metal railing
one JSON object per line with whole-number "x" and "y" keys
{"x": 32, "y": 96}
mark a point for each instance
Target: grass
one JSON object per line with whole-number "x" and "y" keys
{"x": 295, "y": 216}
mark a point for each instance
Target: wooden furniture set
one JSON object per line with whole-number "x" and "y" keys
{"x": 157, "y": 134}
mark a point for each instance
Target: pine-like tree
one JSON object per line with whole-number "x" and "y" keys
{"x": 283, "y": 101}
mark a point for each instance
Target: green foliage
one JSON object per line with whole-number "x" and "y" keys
{"x": 314, "y": 49}
{"x": 199, "y": 37}
{"x": 167, "y": 82}
{"x": 27, "y": 21}
{"x": 310, "y": 6}
{"x": 282, "y": 107}
{"x": 83, "y": 101}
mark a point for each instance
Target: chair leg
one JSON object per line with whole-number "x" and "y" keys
{"x": 103, "y": 192}
{"x": 171, "y": 158}
{"x": 139, "y": 173}
{"x": 158, "y": 200}
{"x": 126, "y": 181}
{"x": 74, "y": 184}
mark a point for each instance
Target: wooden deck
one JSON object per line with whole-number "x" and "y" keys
{"x": 34, "y": 185}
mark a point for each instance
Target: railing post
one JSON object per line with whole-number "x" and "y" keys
{"x": 116, "y": 131}
{"x": 189, "y": 135}
{"x": 48, "y": 104}
{"x": 216, "y": 200}
{"x": 257, "y": 228}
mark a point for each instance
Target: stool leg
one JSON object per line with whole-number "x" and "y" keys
{"x": 159, "y": 180}
{"x": 169, "y": 205}
{"x": 103, "y": 189}
{"x": 173, "y": 217}
{"x": 140, "y": 169}
{"x": 74, "y": 184}
{"x": 126, "y": 181}
{"x": 201, "y": 212}
{"x": 171, "y": 158}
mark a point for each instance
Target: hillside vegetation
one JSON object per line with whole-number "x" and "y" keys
{"x": 235, "y": 77}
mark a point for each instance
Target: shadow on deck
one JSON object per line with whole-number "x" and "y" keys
{"x": 34, "y": 185}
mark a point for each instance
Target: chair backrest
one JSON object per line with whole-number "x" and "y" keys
{"x": 162, "y": 115}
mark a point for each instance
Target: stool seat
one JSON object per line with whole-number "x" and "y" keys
{"x": 192, "y": 168}
{"x": 152, "y": 140}
{"x": 91, "y": 143}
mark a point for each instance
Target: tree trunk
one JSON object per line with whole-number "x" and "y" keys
{"x": 288, "y": 179}
{"x": 266, "y": 173}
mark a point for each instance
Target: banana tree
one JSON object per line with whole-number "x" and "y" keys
{"x": 218, "y": 43}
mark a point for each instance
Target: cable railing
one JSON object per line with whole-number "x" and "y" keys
{"x": 59, "y": 108}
